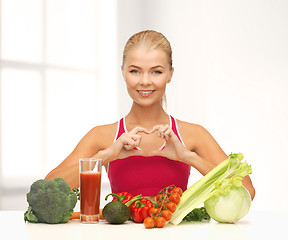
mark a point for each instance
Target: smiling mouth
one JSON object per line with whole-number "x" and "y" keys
{"x": 145, "y": 93}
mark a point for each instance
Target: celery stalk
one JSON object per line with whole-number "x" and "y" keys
{"x": 212, "y": 183}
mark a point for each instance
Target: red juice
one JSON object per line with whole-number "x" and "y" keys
{"x": 90, "y": 186}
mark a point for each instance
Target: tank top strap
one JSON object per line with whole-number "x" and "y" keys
{"x": 120, "y": 129}
{"x": 174, "y": 127}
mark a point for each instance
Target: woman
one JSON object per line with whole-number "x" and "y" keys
{"x": 147, "y": 149}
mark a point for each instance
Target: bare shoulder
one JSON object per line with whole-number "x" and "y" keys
{"x": 190, "y": 128}
{"x": 193, "y": 134}
{"x": 198, "y": 139}
{"x": 98, "y": 138}
{"x": 103, "y": 135}
{"x": 105, "y": 129}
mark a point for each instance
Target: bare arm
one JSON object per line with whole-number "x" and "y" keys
{"x": 208, "y": 154}
{"x": 97, "y": 143}
{"x": 89, "y": 146}
{"x": 201, "y": 152}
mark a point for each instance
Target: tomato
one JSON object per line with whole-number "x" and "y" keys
{"x": 160, "y": 197}
{"x": 162, "y": 201}
{"x": 149, "y": 222}
{"x": 175, "y": 197}
{"x": 167, "y": 214}
{"x": 177, "y": 190}
{"x": 171, "y": 206}
{"x": 160, "y": 222}
{"x": 153, "y": 211}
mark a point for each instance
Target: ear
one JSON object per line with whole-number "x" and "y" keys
{"x": 171, "y": 75}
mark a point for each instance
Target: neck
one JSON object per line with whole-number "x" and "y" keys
{"x": 146, "y": 116}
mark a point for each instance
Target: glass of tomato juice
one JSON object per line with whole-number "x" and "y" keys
{"x": 90, "y": 188}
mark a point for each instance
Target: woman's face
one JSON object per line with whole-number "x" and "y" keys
{"x": 146, "y": 73}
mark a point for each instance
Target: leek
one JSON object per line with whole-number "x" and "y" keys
{"x": 215, "y": 182}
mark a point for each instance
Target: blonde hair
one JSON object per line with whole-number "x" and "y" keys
{"x": 152, "y": 40}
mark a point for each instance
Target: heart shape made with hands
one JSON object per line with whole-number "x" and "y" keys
{"x": 150, "y": 141}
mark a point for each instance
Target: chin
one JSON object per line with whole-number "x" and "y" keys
{"x": 147, "y": 104}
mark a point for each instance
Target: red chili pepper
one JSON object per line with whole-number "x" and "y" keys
{"x": 123, "y": 197}
{"x": 140, "y": 209}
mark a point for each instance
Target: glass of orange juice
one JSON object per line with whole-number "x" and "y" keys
{"x": 90, "y": 189}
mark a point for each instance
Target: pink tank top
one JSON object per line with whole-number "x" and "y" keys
{"x": 146, "y": 175}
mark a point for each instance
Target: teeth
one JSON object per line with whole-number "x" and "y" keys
{"x": 145, "y": 91}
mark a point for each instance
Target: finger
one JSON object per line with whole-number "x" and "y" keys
{"x": 129, "y": 143}
{"x": 158, "y": 130}
{"x": 163, "y": 130}
{"x": 134, "y": 136}
{"x": 168, "y": 133}
{"x": 155, "y": 128}
{"x": 139, "y": 129}
{"x": 137, "y": 139}
{"x": 128, "y": 147}
{"x": 156, "y": 153}
{"x": 140, "y": 152}
{"x": 134, "y": 152}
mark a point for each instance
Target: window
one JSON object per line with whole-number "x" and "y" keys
{"x": 52, "y": 82}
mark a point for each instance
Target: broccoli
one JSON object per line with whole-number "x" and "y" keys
{"x": 50, "y": 202}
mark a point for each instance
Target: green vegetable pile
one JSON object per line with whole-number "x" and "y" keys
{"x": 197, "y": 215}
{"x": 50, "y": 202}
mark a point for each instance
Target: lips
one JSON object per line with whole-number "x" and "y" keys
{"x": 145, "y": 93}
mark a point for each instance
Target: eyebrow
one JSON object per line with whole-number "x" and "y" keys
{"x": 134, "y": 66}
{"x": 158, "y": 66}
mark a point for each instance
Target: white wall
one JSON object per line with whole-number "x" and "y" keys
{"x": 231, "y": 76}
{"x": 57, "y": 72}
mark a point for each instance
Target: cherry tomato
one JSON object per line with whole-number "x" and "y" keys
{"x": 153, "y": 211}
{"x": 177, "y": 190}
{"x": 171, "y": 206}
{"x": 167, "y": 214}
{"x": 162, "y": 201}
{"x": 160, "y": 222}
{"x": 160, "y": 197}
{"x": 175, "y": 197}
{"x": 149, "y": 222}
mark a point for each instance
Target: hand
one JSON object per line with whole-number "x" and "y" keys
{"x": 124, "y": 146}
{"x": 174, "y": 149}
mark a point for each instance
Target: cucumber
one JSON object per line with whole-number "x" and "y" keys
{"x": 116, "y": 212}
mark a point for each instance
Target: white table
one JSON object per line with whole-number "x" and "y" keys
{"x": 255, "y": 225}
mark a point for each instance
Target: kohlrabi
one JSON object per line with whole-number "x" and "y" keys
{"x": 229, "y": 207}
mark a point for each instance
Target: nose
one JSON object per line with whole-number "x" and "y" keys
{"x": 145, "y": 80}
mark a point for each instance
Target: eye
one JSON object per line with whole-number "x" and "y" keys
{"x": 157, "y": 72}
{"x": 134, "y": 71}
